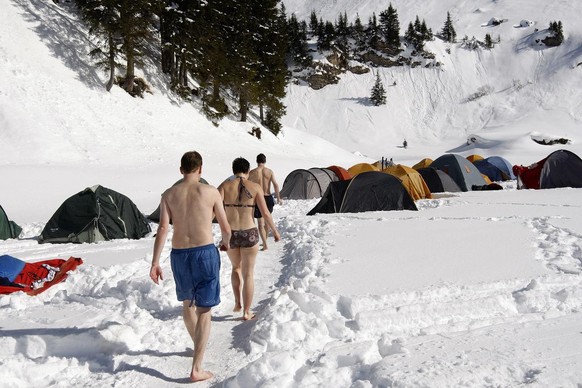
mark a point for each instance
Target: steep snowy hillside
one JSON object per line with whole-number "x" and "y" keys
{"x": 55, "y": 114}
{"x": 504, "y": 94}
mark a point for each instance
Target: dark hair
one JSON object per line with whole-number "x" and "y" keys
{"x": 190, "y": 162}
{"x": 240, "y": 165}
{"x": 261, "y": 158}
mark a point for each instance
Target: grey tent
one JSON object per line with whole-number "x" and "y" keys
{"x": 155, "y": 216}
{"x": 562, "y": 168}
{"x": 8, "y": 229}
{"x": 367, "y": 191}
{"x": 95, "y": 214}
{"x": 462, "y": 171}
{"x": 438, "y": 181}
{"x": 307, "y": 184}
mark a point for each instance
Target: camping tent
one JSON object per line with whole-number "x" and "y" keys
{"x": 474, "y": 157}
{"x": 502, "y": 164}
{"x": 368, "y": 191}
{"x": 340, "y": 172}
{"x": 307, "y": 184}
{"x": 463, "y": 172}
{"x": 411, "y": 179}
{"x": 8, "y": 229}
{"x": 155, "y": 216}
{"x": 561, "y": 168}
{"x": 422, "y": 164}
{"x": 361, "y": 167}
{"x": 490, "y": 171}
{"x": 95, "y": 214}
{"x": 438, "y": 181}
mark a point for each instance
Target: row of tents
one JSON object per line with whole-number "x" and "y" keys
{"x": 365, "y": 187}
{"x": 99, "y": 214}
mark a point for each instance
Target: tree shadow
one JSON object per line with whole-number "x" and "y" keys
{"x": 365, "y": 101}
{"x": 63, "y": 35}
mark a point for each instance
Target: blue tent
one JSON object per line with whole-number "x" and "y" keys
{"x": 463, "y": 172}
{"x": 492, "y": 172}
{"x": 502, "y": 164}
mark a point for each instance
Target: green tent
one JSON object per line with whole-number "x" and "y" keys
{"x": 95, "y": 214}
{"x": 8, "y": 229}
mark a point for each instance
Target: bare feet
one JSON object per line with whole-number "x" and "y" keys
{"x": 247, "y": 316}
{"x": 200, "y": 376}
{"x": 264, "y": 247}
{"x": 237, "y": 308}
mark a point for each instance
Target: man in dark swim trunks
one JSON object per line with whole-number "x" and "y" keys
{"x": 265, "y": 177}
{"x": 194, "y": 258}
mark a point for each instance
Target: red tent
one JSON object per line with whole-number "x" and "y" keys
{"x": 342, "y": 173}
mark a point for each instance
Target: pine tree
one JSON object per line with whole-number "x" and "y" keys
{"x": 378, "y": 96}
{"x": 313, "y": 23}
{"x": 359, "y": 35}
{"x": 103, "y": 21}
{"x": 124, "y": 21}
{"x": 373, "y": 32}
{"x": 558, "y": 30}
{"x": 449, "y": 34}
{"x": 390, "y": 26}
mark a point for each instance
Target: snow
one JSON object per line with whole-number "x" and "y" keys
{"x": 474, "y": 289}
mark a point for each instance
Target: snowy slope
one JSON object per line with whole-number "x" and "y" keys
{"x": 527, "y": 84}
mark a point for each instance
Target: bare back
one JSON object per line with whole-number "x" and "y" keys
{"x": 241, "y": 216}
{"x": 190, "y": 207}
{"x": 263, "y": 176}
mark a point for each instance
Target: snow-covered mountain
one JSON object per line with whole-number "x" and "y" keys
{"x": 523, "y": 83}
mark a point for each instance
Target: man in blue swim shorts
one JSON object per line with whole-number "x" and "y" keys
{"x": 195, "y": 261}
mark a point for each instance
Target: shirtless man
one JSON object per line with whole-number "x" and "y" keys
{"x": 265, "y": 177}
{"x": 194, "y": 258}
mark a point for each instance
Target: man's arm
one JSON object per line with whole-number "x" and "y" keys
{"x": 262, "y": 205}
{"x": 276, "y": 188}
{"x": 220, "y": 215}
{"x": 156, "y": 273}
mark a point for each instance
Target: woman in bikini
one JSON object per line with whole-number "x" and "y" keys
{"x": 240, "y": 197}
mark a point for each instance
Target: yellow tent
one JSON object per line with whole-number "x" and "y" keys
{"x": 423, "y": 163}
{"x": 411, "y": 179}
{"x": 360, "y": 168}
{"x": 487, "y": 180}
{"x": 472, "y": 158}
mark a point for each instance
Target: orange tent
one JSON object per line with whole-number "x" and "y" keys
{"x": 423, "y": 163}
{"x": 342, "y": 173}
{"x": 360, "y": 168}
{"x": 411, "y": 179}
{"x": 472, "y": 158}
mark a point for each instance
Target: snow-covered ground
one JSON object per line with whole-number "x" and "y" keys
{"x": 474, "y": 289}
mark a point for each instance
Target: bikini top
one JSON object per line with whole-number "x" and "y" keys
{"x": 241, "y": 190}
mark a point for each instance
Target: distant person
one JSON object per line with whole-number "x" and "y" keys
{"x": 404, "y": 143}
{"x": 240, "y": 198}
{"x": 265, "y": 177}
{"x": 195, "y": 260}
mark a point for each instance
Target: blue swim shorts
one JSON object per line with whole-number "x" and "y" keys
{"x": 197, "y": 274}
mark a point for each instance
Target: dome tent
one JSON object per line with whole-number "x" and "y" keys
{"x": 463, "y": 172}
{"x": 502, "y": 164}
{"x": 561, "y": 168}
{"x": 307, "y": 184}
{"x": 411, "y": 179}
{"x": 368, "y": 191}
{"x": 8, "y": 229}
{"x": 95, "y": 214}
{"x": 438, "y": 181}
